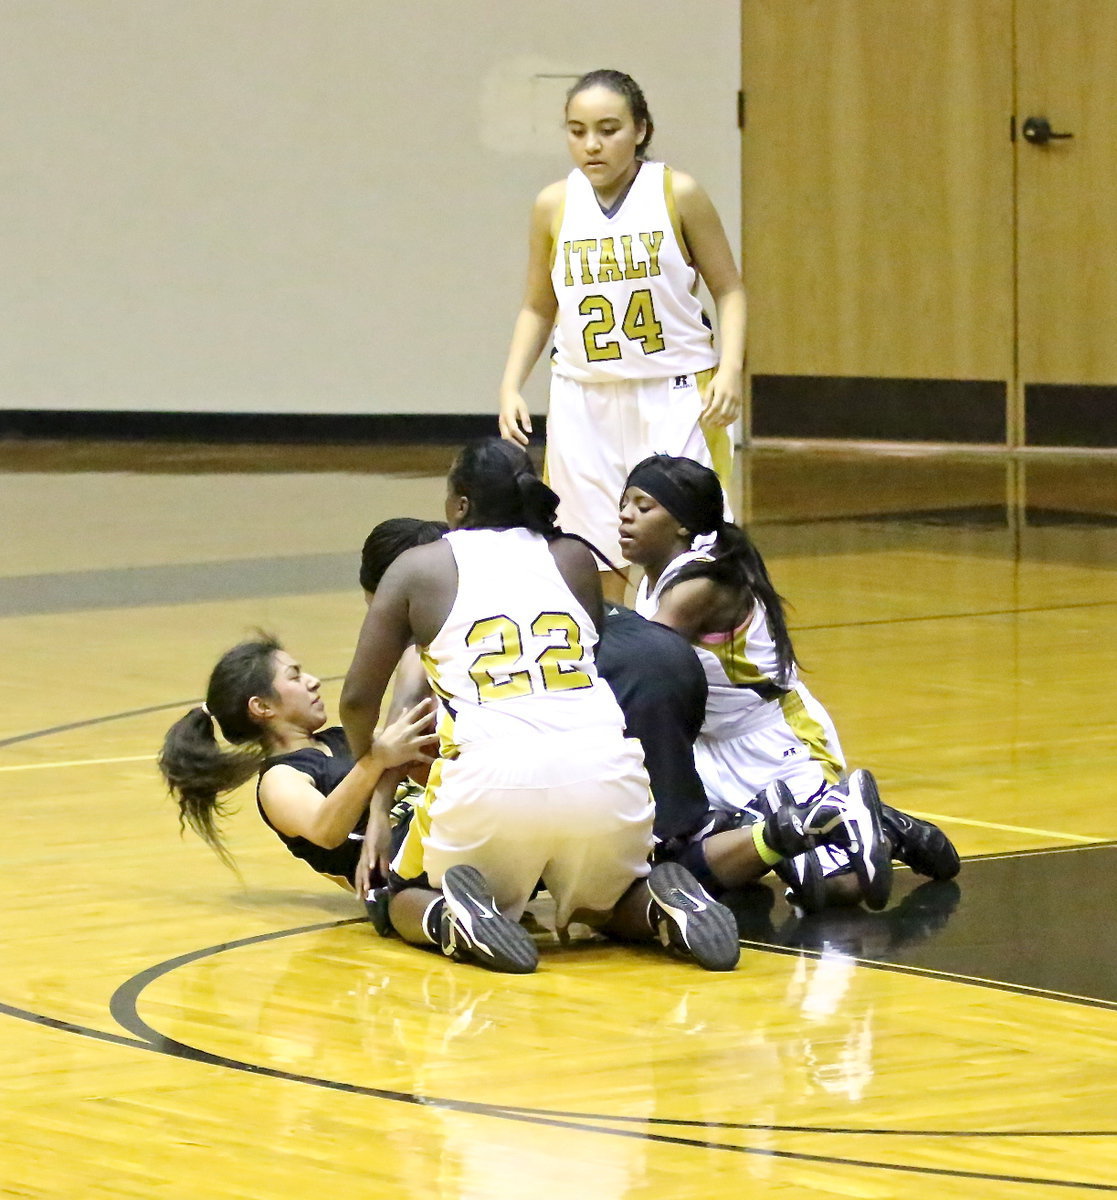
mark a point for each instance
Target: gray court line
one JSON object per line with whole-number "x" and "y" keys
{"x": 120, "y": 716}
{"x": 179, "y": 583}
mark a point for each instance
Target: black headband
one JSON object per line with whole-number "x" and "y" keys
{"x": 649, "y": 476}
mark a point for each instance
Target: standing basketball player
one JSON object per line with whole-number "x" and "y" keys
{"x": 536, "y": 780}
{"x": 616, "y": 251}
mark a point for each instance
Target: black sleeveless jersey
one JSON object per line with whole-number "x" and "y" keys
{"x": 327, "y": 771}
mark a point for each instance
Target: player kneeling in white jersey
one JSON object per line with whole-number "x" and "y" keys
{"x": 768, "y": 754}
{"x": 536, "y": 780}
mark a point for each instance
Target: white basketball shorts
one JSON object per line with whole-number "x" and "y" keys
{"x": 573, "y": 810}
{"x": 597, "y": 432}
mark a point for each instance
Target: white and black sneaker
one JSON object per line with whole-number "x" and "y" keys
{"x": 847, "y": 815}
{"x": 869, "y": 851}
{"x": 806, "y": 883}
{"x": 920, "y": 844}
{"x": 474, "y": 930}
{"x": 376, "y": 905}
{"x": 691, "y": 922}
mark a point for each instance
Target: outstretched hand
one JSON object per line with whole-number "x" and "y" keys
{"x": 376, "y": 853}
{"x": 408, "y": 738}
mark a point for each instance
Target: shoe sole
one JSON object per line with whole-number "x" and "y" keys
{"x": 805, "y": 881}
{"x": 707, "y": 929}
{"x": 376, "y": 906}
{"x": 778, "y": 795}
{"x": 873, "y": 860}
{"x": 492, "y": 940}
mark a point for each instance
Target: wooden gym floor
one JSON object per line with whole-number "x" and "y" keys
{"x": 173, "y": 1031}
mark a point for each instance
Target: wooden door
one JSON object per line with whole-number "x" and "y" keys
{"x": 877, "y": 214}
{"x": 1066, "y": 74}
{"x": 917, "y": 268}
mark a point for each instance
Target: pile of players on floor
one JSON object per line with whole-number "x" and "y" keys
{"x": 627, "y": 765}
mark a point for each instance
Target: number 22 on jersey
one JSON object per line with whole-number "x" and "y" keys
{"x": 501, "y": 672}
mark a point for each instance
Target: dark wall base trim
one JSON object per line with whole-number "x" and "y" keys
{"x": 963, "y": 411}
{"x": 360, "y": 428}
{"x": 1070, "y": 414}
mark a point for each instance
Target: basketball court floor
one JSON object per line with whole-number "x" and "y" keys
{"x": 173, "y": 1030}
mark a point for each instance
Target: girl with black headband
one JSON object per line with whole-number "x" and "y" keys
{"x": 766, "y": 742}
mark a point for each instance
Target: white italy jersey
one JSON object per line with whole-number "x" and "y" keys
{"x": 736, "y": 663}
{"x": 754, "y": 731}
{"x": 515, "y": 654}
{"x": 627, "y": 298}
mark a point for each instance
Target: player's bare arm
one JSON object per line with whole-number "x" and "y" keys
{"x": 698, "y": 606}
{"x": 713, "y": 258}
{"x": 582, "y": 573}
{"x": 385, "y": 634}
{"x": 298, "y": 809}
{"x": 411, "y": 603}
{"x": 536, "y": 317}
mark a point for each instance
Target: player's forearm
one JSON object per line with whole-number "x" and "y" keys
{"x": 384, "y": 794}
{"x": 346, "y": 804}
{"x": 732, "y": 311}
{"x": 529, "y": 336}
{"x": 359, "y": 711}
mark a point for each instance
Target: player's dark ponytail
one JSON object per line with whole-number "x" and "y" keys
{"x": 504, "y": 492}
{"x": 538, "y": 504}
{"x": 197, "y": 771}
{"x": 692, "y": 494}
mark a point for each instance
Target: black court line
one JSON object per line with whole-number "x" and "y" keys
{"x": 123, "y": 1008}
{"x": 994, "y": 855}
{"x": 996, "y": 985}
{"x": 120, "y": 716}
{"x": 992, "y": 612}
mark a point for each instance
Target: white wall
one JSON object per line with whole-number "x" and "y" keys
{"x": 306, "y": 205}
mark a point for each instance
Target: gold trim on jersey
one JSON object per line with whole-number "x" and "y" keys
{"x": 431, "y": 668}
{"x": 740, "y": 670}
{"x": 408, "y": 861}
{"x": 556, "y": 226}
{"x": 730, "y": 652}
{"x": 673, "y": 213}
{"x": 811, "y": 734}
{"x": 447, "y": 747}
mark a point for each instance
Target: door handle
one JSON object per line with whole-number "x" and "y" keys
{"x": 1038, "y": 131}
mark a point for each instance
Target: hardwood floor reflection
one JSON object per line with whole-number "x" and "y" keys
{"x": 176, "y": 1031}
